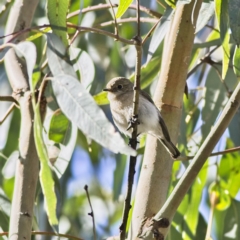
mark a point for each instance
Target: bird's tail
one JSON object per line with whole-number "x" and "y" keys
{"x": 171, "y": 148}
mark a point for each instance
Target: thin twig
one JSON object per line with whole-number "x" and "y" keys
{"x": 133, "y": 142}
{"x": 127, "y": 20}
{"x": 8, "y": 99}
{"x": 230, "y": 150}
{"x": 69, "y": 25}
{"x": 96, "y": 30}
{"x": 115, "y": 20}
{"x": 202, "y": 60}
{"x": 48, "y": 234}
{"x": 106, "y": 6}
{"x": 220, "y": 76}
{"x": 150, "y": 32}
{"x": 10, "y": 109}
{"x": 91, "y": 213}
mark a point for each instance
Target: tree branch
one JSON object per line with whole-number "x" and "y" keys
{"x": 132, "y": 164}
{"x": 156, "y": 169}
{"x": 27, "y": 167}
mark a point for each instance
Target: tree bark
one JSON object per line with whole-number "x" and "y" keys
{"x": 157, "y": 165}
{"x": 27, "y": 168}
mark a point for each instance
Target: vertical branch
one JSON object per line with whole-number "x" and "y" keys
{"x": 153, "y": 184}
{"x": 132, "y": 163}
{"x": 27, "y": 168}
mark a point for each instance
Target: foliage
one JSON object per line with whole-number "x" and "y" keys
{"x": 79, "y": 141}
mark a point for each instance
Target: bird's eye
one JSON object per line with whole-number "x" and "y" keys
{"x": 120, "y": 86}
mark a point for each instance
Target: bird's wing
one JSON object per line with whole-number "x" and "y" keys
{"x": 164, "y": 128}
{"x": 146, "y": 96}
{"x": 161, "y": 121}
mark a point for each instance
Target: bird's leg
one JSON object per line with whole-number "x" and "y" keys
{"x": 132, "y": 122}
{"x": 132, "y": 141}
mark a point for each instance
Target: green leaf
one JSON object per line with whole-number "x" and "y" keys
{"x": 58, "y": 127}
{"x": 160, "y": 32}
{"x": 57, "y": 15}
{"x": 219, "y": 189}
{"x": 148, "y": 72}
{"x": 45, "y": 174}
{"x": 101, "y": 98}
{"x": 119, "y": 176}
{"x": 66, "y": 150}
{"x": 236, "y": 61}
{"x": 234, "y": 16}
{"x": 81, "y": 109}
{"x": 215, "y": 98}
{"x": 232, "y": 221}
{"x": 205, "y": 14}
{"x": 221, "y": 8}
{"x": 192, "y": 212}
{"x": 58, "y": 58}
{"x": 122, "y": 8}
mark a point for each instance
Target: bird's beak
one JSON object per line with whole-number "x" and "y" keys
{"x": 106, "y": 90}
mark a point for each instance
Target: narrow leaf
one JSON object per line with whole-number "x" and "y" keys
{"x": 234, "y": 16}
{"x": 46, "y": 179}
{"x": 122, "y": 8}
{"x": 58, "y": 127}
{"x": 101, "y": 98}
{"x": 221, "y": 8}
{"x": 57, "y": 15}
{"x": 160, "y": 32}
{"x": 79, "y": 106}
{"x": 236, "y": 61}
{"x": 58, "y": 58}
{"x": 205, "y": 14}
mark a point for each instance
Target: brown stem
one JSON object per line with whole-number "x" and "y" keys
{"x": 107, "y": 6}
{"x": 132, "y": 163}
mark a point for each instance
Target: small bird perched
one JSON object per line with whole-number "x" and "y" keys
{"x": 120, "y": 95}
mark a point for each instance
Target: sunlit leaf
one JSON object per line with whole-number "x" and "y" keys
{"x": 223, "y": 199}
{"x": 122, "y": 7}
{"x": 58, "y": 127}
{"x": 101, "y": 98}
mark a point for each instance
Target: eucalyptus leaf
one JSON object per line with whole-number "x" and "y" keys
{"x": 101, "y": 98}
{"x": 45, "y": 174}
{"x": 234, "y": 16}
{"x": 205, "y": 14}
{"x": 221, "y": 8}
{"x": 160, "y": 32}
{"x": 57, "y": 15}
{"x": 84, "y": 64}
{"x": 122, "y": 7}
{"x": 58, "y": 59}
{"x": 236, "y": 61}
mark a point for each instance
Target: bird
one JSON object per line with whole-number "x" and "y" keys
{"x": 120, "y": 92}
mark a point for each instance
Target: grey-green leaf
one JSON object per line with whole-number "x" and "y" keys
{"x": 234, "y": 16}
{"x": 160, "y": 32}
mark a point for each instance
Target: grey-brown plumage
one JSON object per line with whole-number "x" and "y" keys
{"x": 120, "y": 95}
